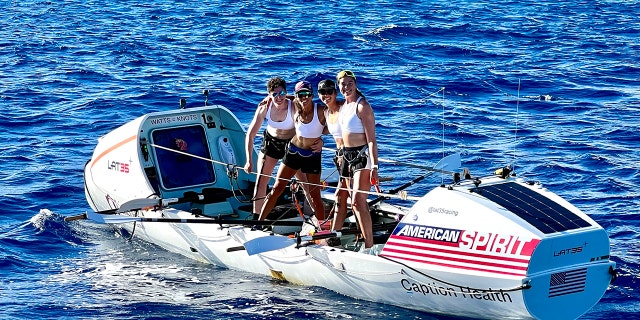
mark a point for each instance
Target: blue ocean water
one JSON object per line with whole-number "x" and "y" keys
{"x": 552, "y": 87}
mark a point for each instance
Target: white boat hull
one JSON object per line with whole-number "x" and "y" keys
{"x": 496, "y": 248}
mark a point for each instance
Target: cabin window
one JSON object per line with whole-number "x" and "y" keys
{"x": 179, "y": 168}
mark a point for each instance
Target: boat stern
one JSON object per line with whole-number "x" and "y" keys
{"x": 569, "y": 273}
{"x": 503, "y": 230}
{"x": 570, "y": 292}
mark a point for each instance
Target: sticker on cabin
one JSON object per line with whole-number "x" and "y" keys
{"x": 181, "y": 144}
{"x": 461, "y": 249}
{"x": 174, "y": 119}
{"x": 117, "y": 166}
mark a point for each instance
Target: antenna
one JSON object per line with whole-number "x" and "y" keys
{"x": 515, "y": 134}
{"x": 442, "y": 175}
{"x": 435, "y": 94}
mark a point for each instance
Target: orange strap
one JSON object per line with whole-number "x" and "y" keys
{"x": 294, "y": 188}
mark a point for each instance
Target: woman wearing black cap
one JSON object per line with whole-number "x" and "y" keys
{"x": 360, "y": 156}
{"x": 329, "y": 95}
{"x": 309, "y": 125}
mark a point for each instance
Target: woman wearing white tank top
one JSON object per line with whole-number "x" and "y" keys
{"x": 277, "y": 110}
{"x": 329, "y": 95}
{"x": 300, "y": 156}
{"x": 360, "y": 156}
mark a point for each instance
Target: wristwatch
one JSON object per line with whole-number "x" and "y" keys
{"x": 375, "y": 166}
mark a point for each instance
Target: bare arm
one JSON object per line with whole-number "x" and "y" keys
{"x": 369, "y": 124}
{"x": 252, "y": 131}
{"x": 319, "y": 143}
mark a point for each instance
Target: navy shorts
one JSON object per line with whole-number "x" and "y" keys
{"x": 304, "y": 160}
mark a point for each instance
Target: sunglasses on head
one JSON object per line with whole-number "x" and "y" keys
{"x": 326, "y": 91}
{"x": 304, "y": 94}
{"x": 345, "y": 73}
{"x": 279, "y": 94}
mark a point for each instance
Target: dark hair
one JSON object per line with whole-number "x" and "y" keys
{"x": 275, "y": 82}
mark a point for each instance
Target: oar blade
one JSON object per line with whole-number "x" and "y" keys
{"x": 110, "y": 219}
{"x": 268, "y": 243}
{"x": 449, "y": 163}
{"x": 137, "y": 204}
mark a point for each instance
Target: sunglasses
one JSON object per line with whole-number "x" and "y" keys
{"x": 326, "y": 91}
{"x": 279, "y": 94}
{"x": 345, "y": 73}
{"x": 304, "y": 94}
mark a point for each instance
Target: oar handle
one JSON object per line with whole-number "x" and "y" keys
{"x": 237, "y": 248}
{"x": 77, "y": 217}
{"x": 400, "y": 188}
{"x": 338, "y": 234}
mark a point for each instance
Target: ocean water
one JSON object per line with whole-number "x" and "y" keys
{"x": 552, "y": 87}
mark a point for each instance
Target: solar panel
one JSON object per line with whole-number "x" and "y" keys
{"x": 538, "y": 210}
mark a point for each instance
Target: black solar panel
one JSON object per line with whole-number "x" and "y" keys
{"x": 539, "y": 211}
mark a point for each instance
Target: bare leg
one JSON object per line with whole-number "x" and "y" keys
{"x": 265, "y": 165}
{"x": 341, "y": 204}
{"x": 360, "y": 207}
{"x": 302, "y": 177}
{"x": 315, "y": 198}
{"x": 284, "y": 174}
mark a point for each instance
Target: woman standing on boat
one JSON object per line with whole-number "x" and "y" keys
{"x": 310, "y": 123}
{"x": 329, "y": 95}
{"x": 360, "y": 156}
{"x": 278, "y": 112}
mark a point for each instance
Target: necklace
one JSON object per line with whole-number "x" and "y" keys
{"x": 306, "y": 117}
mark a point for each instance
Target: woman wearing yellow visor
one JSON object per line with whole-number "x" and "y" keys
{"x": 360, "y": 156}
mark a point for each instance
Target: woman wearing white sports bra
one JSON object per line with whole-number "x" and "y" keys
{"x": 329, "y": 95}
{"x": 278, "y": 112}
{"x": 310, "y": 123}
{"x": 360, "y": 152}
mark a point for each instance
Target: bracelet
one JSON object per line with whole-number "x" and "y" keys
{"x": 375, "y": 166}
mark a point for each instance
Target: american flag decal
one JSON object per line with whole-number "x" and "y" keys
{"x": 567, "y": 282}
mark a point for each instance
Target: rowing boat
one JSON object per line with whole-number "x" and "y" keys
{"x": 486, "y": 247}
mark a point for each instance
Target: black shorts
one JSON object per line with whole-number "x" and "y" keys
{"x": 273, "y": 147}
{"x": 353, "y": 159}
{"x": 306, "y": 161}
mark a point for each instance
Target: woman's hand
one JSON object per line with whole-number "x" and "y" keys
{"x": 317, "y": 145}
{"x": 375, "y": 179}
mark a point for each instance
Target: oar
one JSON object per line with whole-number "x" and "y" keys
{"x": 271, "y": 243}
{"x": 408, "y": 164}
{"x": 117, "y": 219}
{"x": 338, "y": 234}
{"x": 450, "y": 162}
{"x": 143, "y": 203}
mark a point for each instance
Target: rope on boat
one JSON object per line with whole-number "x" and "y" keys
{"x": 524, "y": 286}
{"x": 429, "y": 95}
{"x": 402, "y": 195}
{"x": 341, "y": 268}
